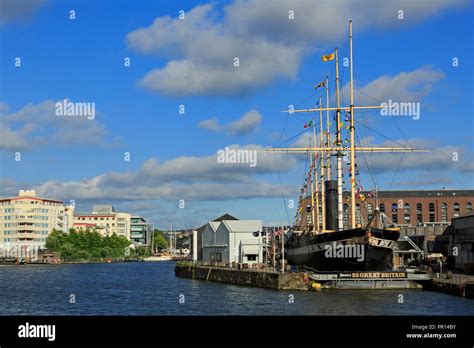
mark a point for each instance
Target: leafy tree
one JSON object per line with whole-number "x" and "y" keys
{"x": 159, "y": 240}
{"x": 86, "y": 245}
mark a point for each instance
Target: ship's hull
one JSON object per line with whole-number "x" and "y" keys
{"x": 347, "y": 250}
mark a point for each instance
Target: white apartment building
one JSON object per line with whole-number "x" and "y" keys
{"x": 105, "y": 220}
{"x": 27, "y": 220}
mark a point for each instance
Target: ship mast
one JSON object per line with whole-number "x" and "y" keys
{"x": 352, "y": 131}
{"x": 328, "y": 133}
{"x": 322, "y": 159}
{"x": 339, "y": 148}
{"x": 315, "y": 197}
{"x": 338, "y": 143}
{"x": 311, "y": 183}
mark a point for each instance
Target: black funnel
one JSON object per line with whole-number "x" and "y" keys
{"x": 331, "y": 204}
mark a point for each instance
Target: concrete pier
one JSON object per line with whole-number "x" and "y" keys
{"x": 262, "y": 278}
{"x": 455, "y": 284}
{"x": 269, "y": 279}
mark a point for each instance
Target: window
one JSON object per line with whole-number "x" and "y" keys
{"x": 406, "y": 215}
{"x": 369, "y": 208}
{"x": 444, "y": 212}
{"x": 369, "y": 211}
{"x": 432, "y": 212}
{"x": 382, "y": 207}
{"x": 395, "y": 213}
{"x": 456, "y": 209}
{"x": 395, "y": 218}
{"x": 251, "y": 257}
{"x": 469, "y": 208}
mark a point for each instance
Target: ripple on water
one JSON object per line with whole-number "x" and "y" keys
{"x": 152, "y": 289}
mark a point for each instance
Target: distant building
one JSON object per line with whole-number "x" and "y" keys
{"x": 140, "y": 231}
{"x": 406, "y": 208}
{"x": 28, "y": 219}
{"x": 232, "y": 240}
{"x": 461, "y": 243}
{"x": 105, "y": 220}
{"x": 200, "y": 230}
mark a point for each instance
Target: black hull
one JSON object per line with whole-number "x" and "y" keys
{"x": 309, "y": 250}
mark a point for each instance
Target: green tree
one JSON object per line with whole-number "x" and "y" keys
{"x": 159, "y": 240}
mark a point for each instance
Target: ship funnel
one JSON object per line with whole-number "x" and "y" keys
{"x": 331, "y": 204}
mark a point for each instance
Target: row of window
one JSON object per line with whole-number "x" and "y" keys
{"x": 14, "y": 217}
{"x": 406, "y": 215}
{"x": 31, "y": 202}
{"x": 35, "y": 225}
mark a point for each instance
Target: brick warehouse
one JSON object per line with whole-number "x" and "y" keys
{"x": 407, "y": 208}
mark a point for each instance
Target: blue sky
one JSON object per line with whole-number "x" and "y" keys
{"x": 190, "y": 62}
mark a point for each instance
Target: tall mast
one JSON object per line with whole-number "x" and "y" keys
{"x": 311, "y": 173}
{"x": 315, "y": 180}
{"x": 322, "y": 159}
{"x": 328, "y": 133}
{"x": 339, "y": 154}
{"x": 352, "y": 131}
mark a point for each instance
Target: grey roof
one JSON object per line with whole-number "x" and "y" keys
{"x": 103, "y": 209}
{"x": 225, "y": 217}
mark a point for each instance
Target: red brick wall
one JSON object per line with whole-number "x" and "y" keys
{"x": 436, "y": 215}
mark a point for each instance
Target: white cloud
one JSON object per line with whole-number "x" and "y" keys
{"x": 186, "y": 177}
{"x": 38, "y": 125}
{"x": 211, "y": 125}
{"x": 411, "y": 86}
{"x": 11, "y": 10}
{"x": 440, "y": 157}
{"x": 201, "y": 47}
{"x": 246, "y": 124}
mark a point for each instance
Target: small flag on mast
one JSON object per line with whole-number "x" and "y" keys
{"x": 309, "y": 124}
{"x": 328, "y": 57}
{"x": 321, "y": 84}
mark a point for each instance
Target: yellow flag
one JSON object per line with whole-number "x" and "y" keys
{"x": 328, "y": 57}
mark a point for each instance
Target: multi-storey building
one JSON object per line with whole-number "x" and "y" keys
{"x": 407, "y": 208}
{"x": 140, "y": 231}
{"x": 105, "y": 220}
{"x": 28, "y": 219}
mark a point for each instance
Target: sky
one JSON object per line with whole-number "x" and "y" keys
{"x": 151, "y": 147}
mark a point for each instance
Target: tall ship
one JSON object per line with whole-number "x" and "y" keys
{"x": 321, "y": 240}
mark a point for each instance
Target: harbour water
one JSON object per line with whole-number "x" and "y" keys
{"x": 139, "y": 288}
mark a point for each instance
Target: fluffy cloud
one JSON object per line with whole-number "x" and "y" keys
{"x": 192, "y": 178}
{"x": 38, "y": 125}
{"x": 201, "y": 48}
{"x": 411, "y": 86}
{"x": 440, "y": 157}
{"x": 244, "y": 125}
{"x": 11, "y": 10}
